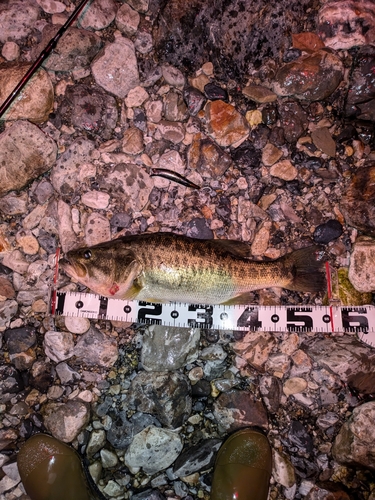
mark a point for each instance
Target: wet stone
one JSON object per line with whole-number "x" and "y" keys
{"x": 19, "y": 339}
{"x": 283, "y": 470}
{"x": 312, "y": 77}
{"x": 207, "y": 157}
{"x": 196, "y": 458}
{"x": 361, "y": 96}
{"x": 213, "y": 92}
{"x": 270, "y": 388}
{"x": 293, "y": 120}
{"x": 299, "y": 436}
{"x": 329, "y": 231}
{"x": 343, "y": 25}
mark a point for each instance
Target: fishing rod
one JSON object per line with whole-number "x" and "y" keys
{"x": 43, "y": 55}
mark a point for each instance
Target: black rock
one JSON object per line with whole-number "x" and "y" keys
{"x": 197, "y": 458}
{"x": 201, "y": 389}
{"x": 328, "y": 231}
{"x": 194, "y": 99}
{"x": 149, "y": 495}
{"x": 10, "y": 383}
{"x": 19, "y": 339}
{"x": 247, "y": 156}
{"x": 214, "y": 93}
{"x": 299, "y": 437}
{"x": 198, "y": 228}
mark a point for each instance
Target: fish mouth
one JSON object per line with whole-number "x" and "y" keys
{"x": 73, "y": 269}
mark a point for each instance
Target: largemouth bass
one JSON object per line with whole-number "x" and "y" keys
{"x": 164, "y": 267}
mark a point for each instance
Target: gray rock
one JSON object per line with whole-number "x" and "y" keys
{"x": 153, "y": 450}
{"x": 14, "y": 203}
{"x": 66, "y": 374}
{"x": 167, "y": 395}
{"x": 169, "y": 348}
{"x": 96, "y": 348}
{"x": 25, "y": 153}
{"x": 96, "y": 442}
{"x": 354, "y": 446}
{"x": 8, "y": 309}
{"x": 58, "y": 345}
{"x": 109, "y": 69}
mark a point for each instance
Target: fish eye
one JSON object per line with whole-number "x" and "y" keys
{"x": 87, "y": 254}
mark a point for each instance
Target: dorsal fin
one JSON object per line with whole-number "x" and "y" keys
{"x": 237, "y": 248}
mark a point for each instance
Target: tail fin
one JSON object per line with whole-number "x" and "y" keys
{"x": 307, "y": 267}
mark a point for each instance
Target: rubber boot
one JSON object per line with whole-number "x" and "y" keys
{"x": 243, "y": 467}
{"x": 52, "y": 470}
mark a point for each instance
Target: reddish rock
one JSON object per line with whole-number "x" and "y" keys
{"x": 225, "y": 124}
{"x": 207, "y": 158}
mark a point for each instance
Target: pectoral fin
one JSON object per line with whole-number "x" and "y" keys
{"x": 130, "y": 288}
{"x": 243, "y": 299}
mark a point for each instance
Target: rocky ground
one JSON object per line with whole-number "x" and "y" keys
{"x": 270, "y": 111}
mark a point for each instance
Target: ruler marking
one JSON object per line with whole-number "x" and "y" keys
{"x": 326, "y": 319}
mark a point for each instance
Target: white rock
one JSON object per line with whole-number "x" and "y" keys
{"x": 58, "y": 345}
{"x": 362, "y": 265}
{"x": 109, "y": 458}
{"x": 283, "y": 470}
{"x": 77, "y": 325}
{"x": 95, "y": 199}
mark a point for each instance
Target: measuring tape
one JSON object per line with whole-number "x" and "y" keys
{"x": 325, "y": 319}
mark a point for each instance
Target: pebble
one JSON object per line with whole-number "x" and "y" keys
{"x": 127, "y": 20}
{"x": 77, "y": 325}
{"x": 208, "y": 158}
{"x": 66, "y": 420}
{"x": 58, "y": 345}
{"x": 323, "y": 140}
{"x": 294, "y": 386}
{"x": 99, "y": 15}
{"x": 284, "y": 170}
{"x": 17, "y": 20}
{"x": 173, "y": 76}
{"x": 361, "y": 273}
{"x": 96, "y": 348}
{"x": 329, "y": 231}
{"x": 109, "y": 71}
{"x": 51, "y": 6}
{"x": 10, "y": 51}
{"x": 225, "y": 124}
{"x": 95, "y": 199}
{"x": 153, "y": 450}
{"x": 313, "y": 77}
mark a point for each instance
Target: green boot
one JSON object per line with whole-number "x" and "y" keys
{"x": 52, "y": 470}
{"x": 243, "y": 467}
